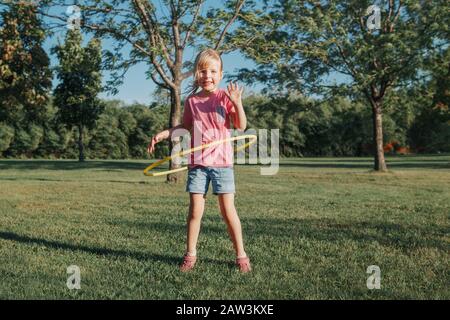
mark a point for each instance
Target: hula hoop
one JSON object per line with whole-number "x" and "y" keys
{"x": 252, "y": 138}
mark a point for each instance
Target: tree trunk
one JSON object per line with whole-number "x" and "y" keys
{"x": 379, "y": 164}
{"x": 175, "y": 113}
{"x": 80, "y": 143}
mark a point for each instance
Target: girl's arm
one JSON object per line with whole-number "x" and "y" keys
{"x": 235, "y": 95}
{"x": 163, "y": 135}
{"x": 186, "y": 123}
{"x": 240, "y": 119}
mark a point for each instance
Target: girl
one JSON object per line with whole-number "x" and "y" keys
{"x": 207, "y": 116}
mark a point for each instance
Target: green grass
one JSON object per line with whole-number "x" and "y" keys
{"x": 311, "y": 231}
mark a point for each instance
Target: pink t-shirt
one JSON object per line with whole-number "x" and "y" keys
{"x": 210, "y": 119}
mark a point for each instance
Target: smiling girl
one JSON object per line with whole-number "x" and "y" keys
{"x": 208, "y": 115}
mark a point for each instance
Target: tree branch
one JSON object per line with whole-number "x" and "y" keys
{"x": 397, "y": 14}
{"x": 388, "y": 19}
{"x": 186, "y": 74}
{"x": 118, "y": 35}
{"x": 177, "y": 39}
{"x": 160, "y": 39}
{"x": 151, "y": 30}
{"x": 239, "y": 5}
{"x": 194, "y": 20}
{"x": 155, "y": 80}
{"x": 350, "y": 67}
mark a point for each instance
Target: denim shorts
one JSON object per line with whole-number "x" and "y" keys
{"x": 222, "y": 180}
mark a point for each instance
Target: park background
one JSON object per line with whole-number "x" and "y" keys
{"x": 72, "y": 189}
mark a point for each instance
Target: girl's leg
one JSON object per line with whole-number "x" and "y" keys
{"x": 229, "y": 214}
{"x": 196, "y": 208}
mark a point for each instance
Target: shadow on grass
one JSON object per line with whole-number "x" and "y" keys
{"x": 170, "y": 260}
{"x": 364, "y": 164}
{"x": 97, "y": 251}
{"x": 260, "y": 230}
{"x": 74, "y": 165}
{"x": 402, "y": 237}
{"x": 74, "y": 180}
{"x": 406, "y": 162}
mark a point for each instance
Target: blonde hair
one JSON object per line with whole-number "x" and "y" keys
{"x": 202, "y": 60}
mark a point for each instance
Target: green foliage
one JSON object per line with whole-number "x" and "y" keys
{"x": 26, "y": 139}
{"x": 108, "y": 139}
{"x": 430, "y": 131}
{"x": 302, "y": 43}
{"x": 148, "y": 123}
{"x": 308, "y": 127}
{"x": 25, "y": 80}
{"x": 80, "y": 81}
{"x": 79, "y": 72}
{"x": 6, "y": 136}
{"x": 25, "y": 76}
{"x": 307, "y": 45}
{"x": 335, "y": 127}
{"x": 297, "y": 45}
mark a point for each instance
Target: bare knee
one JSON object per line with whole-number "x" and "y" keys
{"x": 226, "y": 204}
{"x": 195, "y": 214}
{"x": 228, "y": 212}
{"x": 196, "y": 207}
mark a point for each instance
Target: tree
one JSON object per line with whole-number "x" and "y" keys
{"x": 25, "y": 77}
{"x": 160, "y": 36}
{"x": 80, "y": 82}
{"x": 430, "y": 131}
{"x": 306, "y": 44}
{"x": 149, "y": 121}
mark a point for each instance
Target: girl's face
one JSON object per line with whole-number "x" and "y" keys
{"x": 210, "y": 75}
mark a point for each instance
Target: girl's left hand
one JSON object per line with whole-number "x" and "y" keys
{"x": 235, "y": 93}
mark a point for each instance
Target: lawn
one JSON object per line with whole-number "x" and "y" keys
{"x": 311, "y": 231}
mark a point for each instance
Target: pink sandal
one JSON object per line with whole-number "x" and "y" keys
{"x": 243, "y": 264}
{"x": 188, "y": 263}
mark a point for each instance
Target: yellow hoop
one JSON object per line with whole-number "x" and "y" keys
{"x": 182, "y": 153}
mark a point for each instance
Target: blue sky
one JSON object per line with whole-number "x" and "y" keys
{"x": 136, "y": 86}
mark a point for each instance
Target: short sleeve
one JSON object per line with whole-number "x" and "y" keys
{"x": 187, "y": 114}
